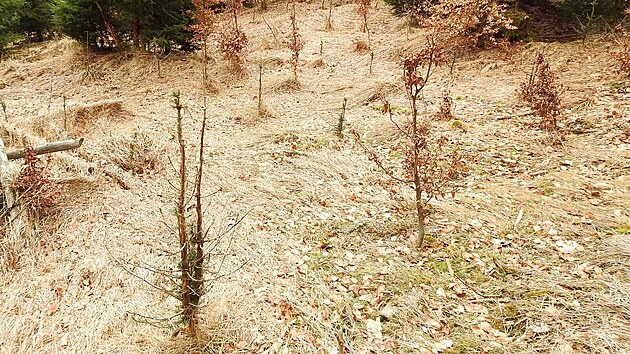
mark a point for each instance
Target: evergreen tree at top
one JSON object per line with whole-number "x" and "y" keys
{"x": 9, "y": 18}
{"x": 140, "y": 23}
{"x": 80, "y": 19}
{"x": 36, "y": 18}
{"x": 159, "y": 23}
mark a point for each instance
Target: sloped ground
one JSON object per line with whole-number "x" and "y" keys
{"x": 322, "y": 262}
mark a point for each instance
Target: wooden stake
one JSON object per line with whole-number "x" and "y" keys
{"x": 45, "y": 149}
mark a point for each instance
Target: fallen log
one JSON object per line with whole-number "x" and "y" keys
{"x": 47, "y": 148}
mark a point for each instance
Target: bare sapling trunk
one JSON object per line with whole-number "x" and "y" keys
{"x": 260, "y": 73}
{"x": 189, "y": 312}
{"x": 415, "y": 82}
{"x": 341, "y": 120}
{"x": 197, "y": 283}
{"x": 296, "y": 45}
{"x": 417, "y": 185}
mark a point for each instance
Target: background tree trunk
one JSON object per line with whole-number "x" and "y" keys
{"x": 109, "y": 26}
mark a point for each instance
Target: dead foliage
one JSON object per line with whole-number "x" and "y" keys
{"x": 288, "y": 85}
{"x": 363, "y": 7}
{"x": 34, "y": 189}
{"x": 446, "y": 105}
{"x": 137, "y": 153}
{"x": 623, "y": 55}
{"x": 295, "y": 45}
{"x": 88, "y": 115}
{"x": 232, "y": 43}
{"x": 360, "y": 47}
{"x": 541, "y": 92}
{"x": 467, "y": 22}
{"x": 318, "y": 63}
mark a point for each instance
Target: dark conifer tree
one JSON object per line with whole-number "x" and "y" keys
{"x": 9, "y": 19}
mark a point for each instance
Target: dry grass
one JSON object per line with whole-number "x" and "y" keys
{"x": 318, "y": 63}
{"x": 316, "y": 209}
{"x": 380, "y": 91}
{"x": 81, "y": 120}
{"x": 360, "y": 47}
{"x": 286, "y": 86}
{"x": 273, "y": 63}
{"x": 138, "y": 153}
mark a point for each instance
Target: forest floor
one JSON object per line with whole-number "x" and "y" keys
{"x": 323, "y": 261}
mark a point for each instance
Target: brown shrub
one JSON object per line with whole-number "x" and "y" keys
{"x": 542, "y": 93}
{"x": 33, "y": 188}
{"x": 232, "y": 43}
{"x": 467, "y": 22}
{"x": 446, "y": 105}
{"x": 623, "y": 56}
{"x": 296, "y": 44}
{"x": 360, "y": 47}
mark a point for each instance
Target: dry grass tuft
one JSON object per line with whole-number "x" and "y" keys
{"x": 270, "y": 63}
{"x": 318, "y": 63}
{"x": 221, "y": 331}
{"x": 84, "y": 119}
{"x": 380, "y": 92}
{"x": 137, "y": 153}
{"x": 286, "y": 86}
{"x": 251, "y": 116}
{"x": 84, "y": 115}
{"x": 360, "y": 47}
{"x": 16, "y": 137}
{"x": 80, "y": 120}
{"x": 213, "y": 86}
{"x": 265, "y": 112}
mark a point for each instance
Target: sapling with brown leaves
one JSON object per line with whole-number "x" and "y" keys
{"x": 541, "y": 92}
{"x": 295, "y": 45}
{"x": 232, "y": 43}
{"x": 230, "y": 39}
{"x": 464, "y": 23}
{"x": 363, "y": 9}
{"x": 446, "y": 105}
{"x": 432, "y": 161}
{"x": 623, "y": 55}
{"x": 205, "y": 26}
{"x": 429, "y": 161}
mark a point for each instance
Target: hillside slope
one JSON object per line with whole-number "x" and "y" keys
{"x": 323, "y": 261}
